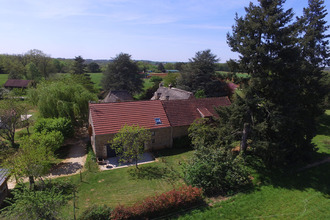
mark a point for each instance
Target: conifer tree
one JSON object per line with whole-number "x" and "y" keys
{"x": 122, "y": 74}
{"x": 268, "y": 43}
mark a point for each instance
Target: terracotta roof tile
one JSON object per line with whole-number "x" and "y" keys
{"x": 184, "y": 112}
{"x": 109, "y": 118}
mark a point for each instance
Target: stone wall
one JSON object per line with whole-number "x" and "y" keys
{"x": 180, "y": 131}
{"x": 160, "y": 138}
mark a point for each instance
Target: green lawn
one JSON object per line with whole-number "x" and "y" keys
{"x": 3, "y": 79}
{"x": 302, "y": 195}
{"x": 124, "y": 186}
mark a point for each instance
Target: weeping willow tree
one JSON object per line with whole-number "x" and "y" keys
{"x": 62, "y": 98}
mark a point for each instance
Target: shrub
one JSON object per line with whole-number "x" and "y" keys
{"x": 217, "y": 173}
{"x": 63, "y": 125}
{"x": 155, "y": 206}
{"x": 96, "y": 213}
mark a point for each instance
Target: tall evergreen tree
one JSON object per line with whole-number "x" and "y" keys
{"x": 199, "y": 74}
{"x": 268, "y": 43}
{"x": 315, "y": 52}
{"x": 79, "y": 66}
{"x": 122, "y": 74}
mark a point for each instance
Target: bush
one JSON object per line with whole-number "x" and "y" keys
{"x": 96, "y": 213}
{"x": 176, "y": 199}
{"x": 34, "y": 204}
{"x": 217, "y": 173}
{"x": 63, "y": 125}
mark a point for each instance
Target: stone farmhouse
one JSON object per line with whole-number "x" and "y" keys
{"x": 171, "y": 93}
{"x": 118, "y": 96}
{"x": 166, "y": 119}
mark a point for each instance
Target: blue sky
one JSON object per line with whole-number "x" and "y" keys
{"x": 159, "y": 30}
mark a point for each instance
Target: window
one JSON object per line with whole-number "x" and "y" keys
{"x": 158, "y": 121}
{"x": 153, "y": 133}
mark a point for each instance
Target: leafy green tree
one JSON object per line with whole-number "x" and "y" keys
{"x": 214, "y": 167}
{"x": 171, "y": 79}
{"x": 63, "y": 125}
{"x": 169, "y": 66}
{"x": 94, "y": 67}
{"x": 34, "y": 204}
{"x": 10, "y": 115}
{"x": 59, "y": 65}
{"x": 161, "y": 67}
{"x": 62, "y": 98}
{"x": 199, "y": 74}
{"x": 41, "y": 60}
{"x": 122, "y": 74}
{"x": 35, "y": 155}
{"x": 32, "y": 72}
{"x": 78, "y": 66}
{"x": 179, "y": 66}
{"x": 129, "y": 142}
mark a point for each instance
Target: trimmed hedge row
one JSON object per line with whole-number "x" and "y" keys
{"x": 176, "y": 199}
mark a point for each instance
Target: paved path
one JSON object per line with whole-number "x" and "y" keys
{"x": 72, "y": 164}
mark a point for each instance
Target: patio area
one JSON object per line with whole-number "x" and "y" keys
{"x": 113, "y": 162}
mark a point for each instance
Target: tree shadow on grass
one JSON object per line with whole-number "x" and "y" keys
{"x": 148, "y": 172}
{"x": 324, "y": 125}
{"x": 172, "y": 151}
{"x": 316, "y": 178}
{"x": 152, "y": 172}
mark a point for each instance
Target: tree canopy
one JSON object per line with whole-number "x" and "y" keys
{"x": 281, "y": 100}
{"x": 122, "y": 74}
{"x": 62, "y": 98}
{"x": 199, "y": 74}
{"x": 79, "y": 66}
{"x": 129, "y": 142}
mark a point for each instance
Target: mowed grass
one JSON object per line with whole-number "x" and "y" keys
{"x": 294, "y": 195}
{"x": 3, "y": 79}
{"x": 124, "y": 186}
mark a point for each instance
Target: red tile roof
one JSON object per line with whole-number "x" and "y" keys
{"x": 184, "y": 112}
{"x": 109, "y": 118}
{"x": 17, "y": 83}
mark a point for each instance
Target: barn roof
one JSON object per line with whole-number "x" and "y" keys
{"x": 109, "y": 118}
{"x": 17, "y": 83}
{"x": 184, "y": 112}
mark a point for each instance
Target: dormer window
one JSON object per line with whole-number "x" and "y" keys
{"x": 158, "y": 121}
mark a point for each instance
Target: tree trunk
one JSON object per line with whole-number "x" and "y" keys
{"x": 31, "y": 180}
{"x": 245, "y": 134}
{"x": 136, "y": 162}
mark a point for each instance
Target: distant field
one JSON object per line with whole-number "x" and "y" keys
{"x": 96, "y": 78}
{"x": 3, "y": 79}
{"x": 241, "y": 75}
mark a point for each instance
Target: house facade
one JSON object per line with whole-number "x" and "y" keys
{"x": 166, "y": 120}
